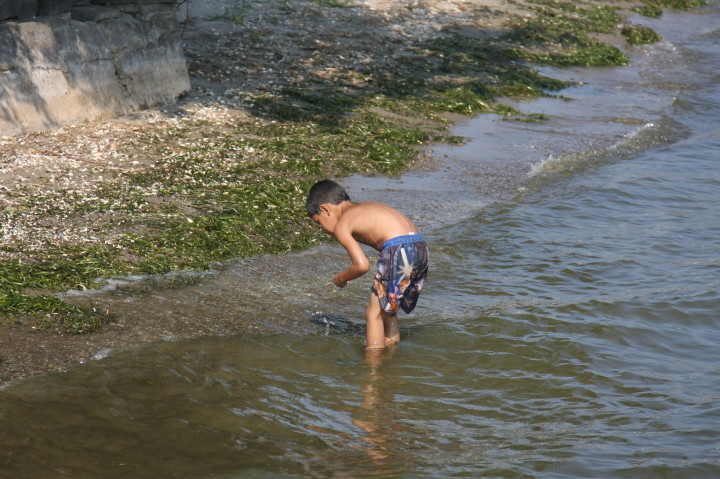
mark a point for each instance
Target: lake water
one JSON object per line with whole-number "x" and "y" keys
{"x": 569, "y": 327}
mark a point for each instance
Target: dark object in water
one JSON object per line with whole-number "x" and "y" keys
{"x": 338, "y": 324}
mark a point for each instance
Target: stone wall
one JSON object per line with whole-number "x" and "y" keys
{"x": 67, "y": 61}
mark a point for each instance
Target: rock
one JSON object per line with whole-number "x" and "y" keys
{"x": 19, "y": 9}
{"x": 100, "y": 61}
{"x": 53, "y": 7}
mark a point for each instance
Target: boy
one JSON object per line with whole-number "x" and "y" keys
{"x": 402, "y": 265}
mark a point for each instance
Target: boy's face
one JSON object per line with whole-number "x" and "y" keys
{"x": 323, "y": 222}
{"x": 325, "y": 219}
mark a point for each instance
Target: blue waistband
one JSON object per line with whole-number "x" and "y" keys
{"x": 416, "y": 238}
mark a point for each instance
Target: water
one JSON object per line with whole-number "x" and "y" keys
{"x": 569, "y": 327}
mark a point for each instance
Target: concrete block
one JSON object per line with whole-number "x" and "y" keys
{"x": 53, "y": 7}
{"x": 18, "y": 9}
{"x": 57, "y": 70}
{"x": 94, "y": 13}
{"x": 132, "y": 2}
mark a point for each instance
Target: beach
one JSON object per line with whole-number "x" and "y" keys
{"x": 236, "y": 58}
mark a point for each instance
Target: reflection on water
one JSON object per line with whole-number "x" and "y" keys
{"x": 569, "y": 330}
{"x": 219, "y": 406}
{"x": 531, "y": 390}
{"x": 378, "y": 416}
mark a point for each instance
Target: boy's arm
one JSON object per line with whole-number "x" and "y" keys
{"x": 360, "y": 264}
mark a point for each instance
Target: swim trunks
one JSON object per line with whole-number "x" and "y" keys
{"x": 401, "y": 271}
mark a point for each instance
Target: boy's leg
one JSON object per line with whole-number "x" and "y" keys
{"x": 375, "y": 324}
{"x": 382, "y": 329}
{"x": 391, "y": 327}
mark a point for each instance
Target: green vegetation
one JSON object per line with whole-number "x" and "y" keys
{"x": 237, "y": 11}
{"x": 238, "y": 188}
{"x": 678, "y": 4}
{"x": 561, "y": 36}
{"x": 651, "y": 11}
{"x": 332, "y": 3}
{"x": 638, "y": 35}
{"x": 653, "y": 8}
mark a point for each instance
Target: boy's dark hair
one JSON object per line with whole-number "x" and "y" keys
{"x": 324, "y": 191}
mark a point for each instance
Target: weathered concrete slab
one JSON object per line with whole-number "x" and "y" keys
{"x": 18, "y": 9}
{"x": 53, "y": 7}
{"x": 100, "y": 62}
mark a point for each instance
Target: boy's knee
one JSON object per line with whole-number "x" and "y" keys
{"x": 372, "y": 312}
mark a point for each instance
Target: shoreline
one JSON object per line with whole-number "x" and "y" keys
{"x": 83, "y": 158}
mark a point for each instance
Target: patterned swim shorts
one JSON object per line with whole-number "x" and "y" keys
{"x": 401, "y": 271}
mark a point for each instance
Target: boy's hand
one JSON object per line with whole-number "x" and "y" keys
{"x": 339, "y": 282}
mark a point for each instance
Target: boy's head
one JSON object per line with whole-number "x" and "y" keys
{"x": 325, "y": 191}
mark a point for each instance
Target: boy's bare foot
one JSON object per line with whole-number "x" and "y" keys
{"x": 376, "y": 357}
{"x": 393, "y": 340}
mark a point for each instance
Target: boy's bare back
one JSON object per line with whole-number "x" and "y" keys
{"x": 373, "y": 223}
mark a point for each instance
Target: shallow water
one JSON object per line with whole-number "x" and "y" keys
{"x": 569, "y": 327}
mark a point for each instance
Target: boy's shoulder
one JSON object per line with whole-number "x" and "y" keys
{"x": 378, "y": 210}
{"x": 374, "y": 215}
{"x": 365, "y": 205}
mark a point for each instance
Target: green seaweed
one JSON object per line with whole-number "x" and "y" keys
{"x": 639, "y": 35}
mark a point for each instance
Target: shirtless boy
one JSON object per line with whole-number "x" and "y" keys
{"x": 402, "y": 265}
